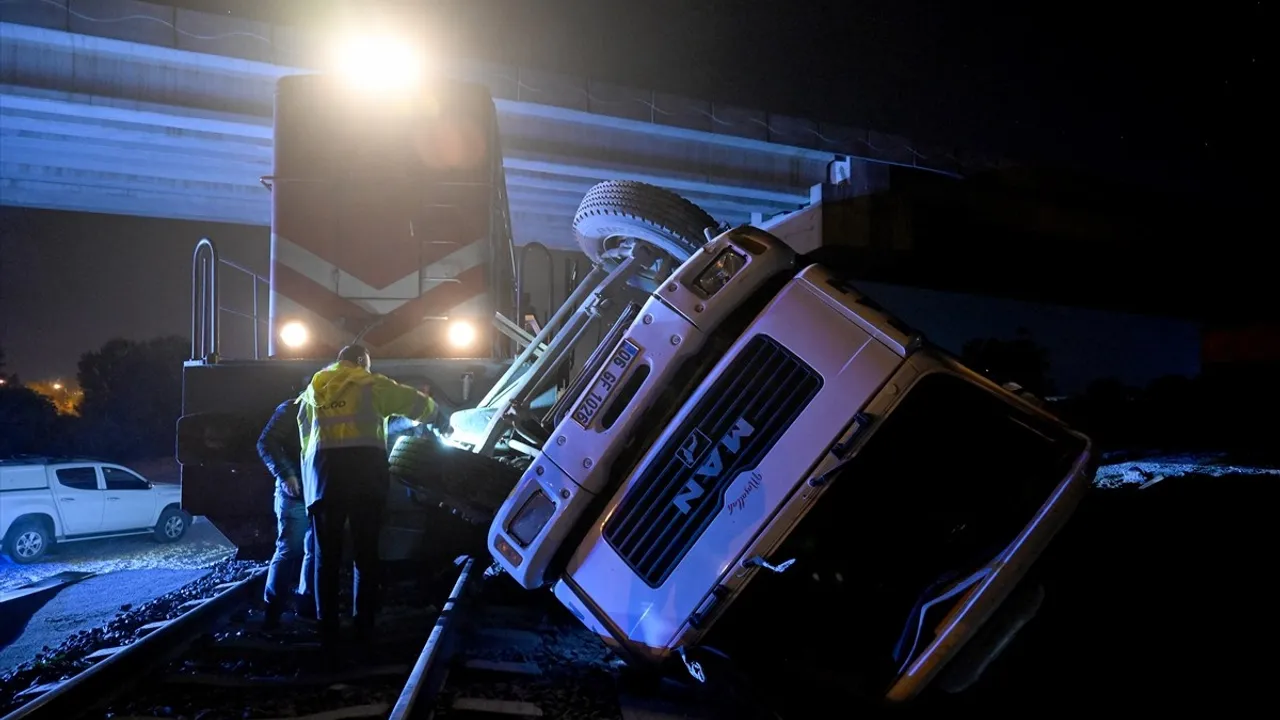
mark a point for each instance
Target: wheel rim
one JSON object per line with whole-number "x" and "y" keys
{"x": 618, "y": 247}
{"x": 173, "y": 526}
{"x": 29, "y": 544}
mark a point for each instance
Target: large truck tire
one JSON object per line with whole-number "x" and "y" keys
{"x": 468, "y": 485}
{"x": 617, "y": 212}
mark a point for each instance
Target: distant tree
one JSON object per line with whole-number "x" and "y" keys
{"x": 29, "y": 423}
{"x": 132, "y": 397}
{"x": 1021, "y": 360}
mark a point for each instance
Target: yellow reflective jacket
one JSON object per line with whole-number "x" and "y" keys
{"x": 347, "y": 406}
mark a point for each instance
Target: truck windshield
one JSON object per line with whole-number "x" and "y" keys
{"x": 949, "y": 478}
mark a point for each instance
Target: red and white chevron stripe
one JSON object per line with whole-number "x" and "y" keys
{"x": 336, "y": 304}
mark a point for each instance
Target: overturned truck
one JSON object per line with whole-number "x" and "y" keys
{"x": 713, "y": 429}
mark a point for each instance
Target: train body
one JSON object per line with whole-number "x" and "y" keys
{"x": 389, "y": 226}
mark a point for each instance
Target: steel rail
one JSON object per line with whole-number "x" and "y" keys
{"x": 108, "y": 679}
{"x": 425, "y": 680}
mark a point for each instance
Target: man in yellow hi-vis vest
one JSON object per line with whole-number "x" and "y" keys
{"x": 342, "y": 421}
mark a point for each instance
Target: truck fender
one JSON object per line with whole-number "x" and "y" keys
{"x": 50, "y": 523}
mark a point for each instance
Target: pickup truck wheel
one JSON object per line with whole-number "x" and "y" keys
{"x": 172, "y": 525}
{"x": 28, "y": 542}
{"x": 468, "y": 485}
{"x": 616, "y": 214}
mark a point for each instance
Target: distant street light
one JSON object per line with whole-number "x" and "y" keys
{"x": 57, "y": 386}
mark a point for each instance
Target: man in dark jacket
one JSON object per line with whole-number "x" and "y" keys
{"x": 292, "y": 566}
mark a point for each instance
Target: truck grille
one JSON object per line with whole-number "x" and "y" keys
{"x": 733, "y": 426}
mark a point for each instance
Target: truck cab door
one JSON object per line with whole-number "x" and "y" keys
{"x": 131, "y": 501}
{"x": 77, "y": 490}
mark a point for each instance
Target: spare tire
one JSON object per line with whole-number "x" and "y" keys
{"x": 468, "y": 485}
{"x": 617, "y": 212}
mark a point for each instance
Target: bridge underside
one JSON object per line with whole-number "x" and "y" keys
{"x": 103, "y": 125}
{"x": 99, "y": 125}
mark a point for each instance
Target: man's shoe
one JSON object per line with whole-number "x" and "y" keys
{"x": 305, "y": 608}
{"x": 364, "y": 632}
{"x": 271, "y": 618}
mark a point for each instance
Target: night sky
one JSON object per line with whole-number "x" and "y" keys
{"x": 1167, "y": 98}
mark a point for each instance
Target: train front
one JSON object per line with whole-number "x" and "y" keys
{"x": 389, "y": 226}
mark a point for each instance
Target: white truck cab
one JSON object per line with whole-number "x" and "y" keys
{"x": 44, "y": 501}
{"x": 650, "y": 531}
{"x": 673, "y": 327}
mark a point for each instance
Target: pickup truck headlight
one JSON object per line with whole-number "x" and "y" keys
{"x": 531, "y": 518}
{"x": 721, "y": 270}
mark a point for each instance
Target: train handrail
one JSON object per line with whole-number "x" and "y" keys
{"x": 206, "y": 308}
{"x": 204, "y": 301}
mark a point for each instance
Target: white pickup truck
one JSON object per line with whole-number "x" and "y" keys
{"x": 47, "y": 500}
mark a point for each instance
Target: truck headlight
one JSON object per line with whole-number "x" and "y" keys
{"x": 721, "y": 270}
{"x": 531, "y": 518}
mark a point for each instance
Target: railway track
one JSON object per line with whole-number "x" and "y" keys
{"x": 481, "y": 648}
{"x": 215, "y": 660}
{"x": 517, "y": 654}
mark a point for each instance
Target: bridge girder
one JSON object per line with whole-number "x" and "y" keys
{"x": 101, "y": 125}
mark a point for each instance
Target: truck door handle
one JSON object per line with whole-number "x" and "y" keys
{"x": 68, "y": 499}
{"x": 112, "y": 498}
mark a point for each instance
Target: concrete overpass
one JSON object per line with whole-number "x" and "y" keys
{"x": 131, "y": 108}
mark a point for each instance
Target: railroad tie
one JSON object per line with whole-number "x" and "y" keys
{"x": 104, "y": 652}
{"x": 39, "y": 689}
{"x": 153, "y": 626}
{"x": 353, "y": 712}
{"x": 506, "y": 637}
{"x": 507, "y": 668}
{"x": 489, "y": 706}
{"x": 211, "y": 680}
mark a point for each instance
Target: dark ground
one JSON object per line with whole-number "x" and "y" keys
{"x": 1155, "y": 599}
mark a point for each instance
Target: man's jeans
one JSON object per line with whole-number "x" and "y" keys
{"x": 293, "y": 564}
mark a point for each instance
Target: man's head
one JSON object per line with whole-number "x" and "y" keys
{"x": 355, "y": 354}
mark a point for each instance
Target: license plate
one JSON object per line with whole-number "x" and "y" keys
{"x": 604, "y": 385}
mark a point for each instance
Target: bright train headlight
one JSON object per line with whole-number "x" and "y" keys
{"x": 461, "y": 334}
{"x": 378, "y": 62}
{"x": 294, "y": 334}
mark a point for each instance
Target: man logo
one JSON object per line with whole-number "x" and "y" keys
{"x": 712, "y": 465}
{"x": 692, "y": 448}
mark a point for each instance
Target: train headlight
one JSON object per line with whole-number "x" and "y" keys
{"x": 461, "y": 334}
{"x": 378, "y": 62}
{"x": 294, "y": 334}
